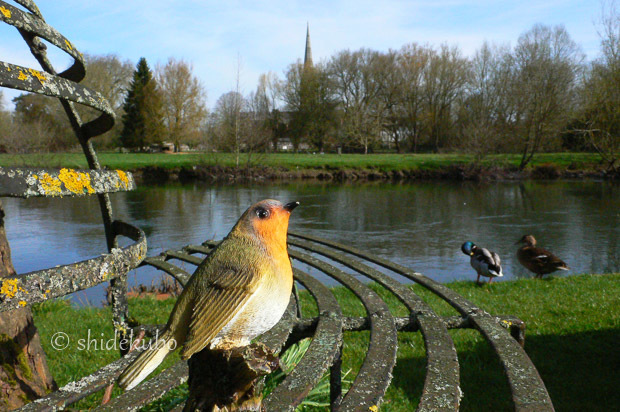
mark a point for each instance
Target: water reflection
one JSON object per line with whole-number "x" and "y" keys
{"x": 419, "y": 225}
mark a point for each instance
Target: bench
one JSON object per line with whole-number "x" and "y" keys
{"x": 344, "y": 264}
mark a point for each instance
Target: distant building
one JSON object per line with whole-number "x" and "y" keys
{"x": 308, "y": 54}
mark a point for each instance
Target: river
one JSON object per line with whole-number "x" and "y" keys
{"x": 420, "y": 225}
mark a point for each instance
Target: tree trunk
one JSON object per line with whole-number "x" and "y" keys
{"x": 24, "y": 375}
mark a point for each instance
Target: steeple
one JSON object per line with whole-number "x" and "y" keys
{"x": 308, "y": 55}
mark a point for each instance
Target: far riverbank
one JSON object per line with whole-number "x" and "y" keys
{"x": 193, "y": 166}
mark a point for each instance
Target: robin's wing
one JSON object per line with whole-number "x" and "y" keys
{"x": 225, "y": 294}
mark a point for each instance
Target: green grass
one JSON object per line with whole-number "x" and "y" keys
{"x": 382, "y": 162}
{"x": 573, "y": 330}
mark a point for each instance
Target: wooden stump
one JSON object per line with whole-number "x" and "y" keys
{"x": 24, "y": 375}
{"x": 227, "y": 380}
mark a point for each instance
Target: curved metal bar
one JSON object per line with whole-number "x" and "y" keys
{"x": 74, "y": 391}
{"x": 441, "y": 387}
{"x": 34, "y": 25}
{"x": 23, "y": 78}
{"x": 375, "y": 373}
{"x": 174, "y": 271}
{"x": 22, "y": 290}
{"x": 184, "y": 257}
{"x": 150, "y": 390}
{"x": 320, "y": 354}
{"x": 528, "y": 389}
{"x": 26, "y": 182}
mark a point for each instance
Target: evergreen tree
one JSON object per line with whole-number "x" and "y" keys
{"x": 142, "y": 121}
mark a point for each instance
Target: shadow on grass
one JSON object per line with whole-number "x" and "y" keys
{"x": 581, "y": 372}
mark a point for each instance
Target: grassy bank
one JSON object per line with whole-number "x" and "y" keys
{"x": 309, "y": 162}
{"x": 573, "y": 329}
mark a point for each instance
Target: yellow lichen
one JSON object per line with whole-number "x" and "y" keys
{"x": 373, "y": 408}
{"x": 9, "y": 288}
{"x": 123, "y": 177}
{"x": 6, "y": 12}
{"x": 50, "y": 185}
{"x": 120, "y": 327}
{"x": 506, "y": 323}
{"x": 68, "y": 43}
{"x": 76, "y": 182}
{"x": 38, "y": 75}
{"x": 22, "y": 303}
{"x": 22, "y": 76}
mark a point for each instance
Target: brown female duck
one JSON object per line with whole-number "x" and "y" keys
{"x": 536, "y": 259}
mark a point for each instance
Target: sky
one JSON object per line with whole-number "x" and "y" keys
{"x": 218, "y": 37}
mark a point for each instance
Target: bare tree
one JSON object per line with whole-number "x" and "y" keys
{"x": 357, "y": 92}
{"x": 227, "y": 114}
{"x": 110, "y": 76}
{"x": 412, "y": 62}
{"x": 266, "y": 102}
{"x": 390, "y": 97}
{"x": 546, "y": 61}
{"x": 600, "y": 114}
{"x": 184, "y": 99}
{"x": 481, "y": 109}
{"x": 444, "y": 80}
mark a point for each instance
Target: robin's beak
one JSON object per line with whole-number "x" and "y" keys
{"x": 518, "y": 241}
{"x": 290, "y": 206}
{"x": 471, "y": 253}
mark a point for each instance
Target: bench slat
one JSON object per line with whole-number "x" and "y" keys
{"x": 441, "y": 385}
{"x": 375, "y": 373}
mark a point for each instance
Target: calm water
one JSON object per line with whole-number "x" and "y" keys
{"x": 419, "y": 225}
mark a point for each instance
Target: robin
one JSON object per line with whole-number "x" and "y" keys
{"x": 238, "y": 292}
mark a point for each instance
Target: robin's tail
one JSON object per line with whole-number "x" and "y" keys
{"x": 147, "y": 361}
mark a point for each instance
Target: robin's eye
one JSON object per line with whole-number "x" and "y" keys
{"x": 262, "y": 213}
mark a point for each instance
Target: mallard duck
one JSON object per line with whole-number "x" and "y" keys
{"x": 483, "y": 261}
{"x": 536, "y": 259}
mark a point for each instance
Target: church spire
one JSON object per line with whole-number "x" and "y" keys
{"x": 308, "y": 55}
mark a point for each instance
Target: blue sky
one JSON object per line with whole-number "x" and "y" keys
{"x": 268, "y": 35}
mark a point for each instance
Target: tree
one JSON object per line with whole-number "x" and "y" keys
{"x": 543, "y": 86}
{"x": 600, "y": 114}
{"x": 227, "y": 114}
{"x": 40, "y": 125}
{"x": 444, "y": 80}
{"x": 412, "y": 62}
{"x": 142, "y": 121}
{"x": 480, "y": 115}
{"x": 307, "y": 94}
{"x": 183, "y": 98}
{"x": 266, "y": 100}
{"x": 109, "y": 76}
{"x": 390, "y": 97}
{"x": 357, "y": 93}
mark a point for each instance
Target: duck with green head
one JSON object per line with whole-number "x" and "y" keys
{"x": 484, "y": 262}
